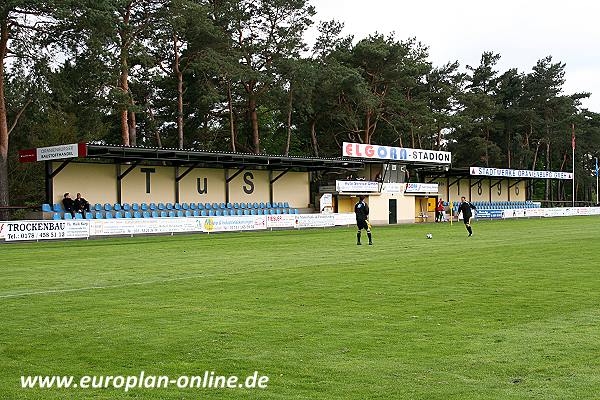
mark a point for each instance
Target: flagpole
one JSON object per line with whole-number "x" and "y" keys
{"x": 597, "y": 192}
{"x": 573, "y": 146}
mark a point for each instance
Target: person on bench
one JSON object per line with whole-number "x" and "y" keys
{"x": 81, "y": 205}
{"x": 69, "y": 204}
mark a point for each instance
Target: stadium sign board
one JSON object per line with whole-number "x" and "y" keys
{"x": 141, "y": 226}
{"x": 44, "y": 230}
{"x": 519, "y": 173}
{"x": 281, "y": 221}
{"x": 234, "y": 223}
{"x": 421, "y": 188}
{"x": 53, "y": 153}
{"x": 314, "y": 220}
{"x": 374, "y": 151}
{"x": 356, "y": 186}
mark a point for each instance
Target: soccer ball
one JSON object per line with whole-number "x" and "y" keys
{"x": 429, "y": 236}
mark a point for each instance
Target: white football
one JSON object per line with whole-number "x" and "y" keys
{"x": 429, "y": 236}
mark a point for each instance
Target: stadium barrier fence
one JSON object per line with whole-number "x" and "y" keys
{"x": 35, "y": 230}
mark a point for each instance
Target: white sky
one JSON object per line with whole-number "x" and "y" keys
{"x": 521, "y": 31}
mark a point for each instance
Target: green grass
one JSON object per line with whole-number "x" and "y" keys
{"x": 511, "y": 313}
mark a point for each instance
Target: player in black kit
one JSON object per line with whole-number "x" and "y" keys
{"x": 465, "y": 208}
{"x": 361, "y": 209}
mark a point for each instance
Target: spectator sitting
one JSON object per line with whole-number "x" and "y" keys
{"x": 81, "y": 205}
{"x": 69, "y": 204}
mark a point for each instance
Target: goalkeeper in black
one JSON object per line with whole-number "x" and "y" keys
{"x": 465, "y": 208}
{"x": 361, "y": 209}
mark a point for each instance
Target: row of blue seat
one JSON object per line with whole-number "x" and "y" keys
{"x": 170, "y": 206}
{"x": 499, "y": 205}
{"x": 173, "y": 213}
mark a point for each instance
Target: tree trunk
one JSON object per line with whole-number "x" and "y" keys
{"x": 156, "y": 131}
{"x": 231, "y": 121}
{"x": 132, "y": 129}
{"x": 367, "y": 138}
{"x": 289, "y": 124}
{"x": 124, "y": 85}
{"x": 254, "y": 121}
{"x": 412, "y": 136}
{"x": 179, "y": 76}
{"x": 313, "y": 137}
{"x": 4, "y": 195}
{"x": 548, "y": 182}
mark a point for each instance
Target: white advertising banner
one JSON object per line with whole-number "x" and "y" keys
{"x": 344, "y": 219}
{"x": 421, "y": 188}
{"x": 43, "y": 230}
{"x": 57, "y": 152}
{"x": 314, "y": 220}
{"x": 519, "y": 173}
{"x": 391, "y": 187}
{"x": 551, "y": 212}
{"x": 281, "y": 221}
{"x": 234, "y": 223}
{"x": 140, "y": 226}
{"x": 375, "y": 151}
{"x": 356, "y": 186}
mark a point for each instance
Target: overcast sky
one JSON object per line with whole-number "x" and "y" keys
{"x": 521, "y": 31}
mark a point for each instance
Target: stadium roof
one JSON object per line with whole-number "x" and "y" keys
{"x": 117, "y": 153}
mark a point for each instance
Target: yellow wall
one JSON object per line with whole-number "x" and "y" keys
{"x": 379, "y": 207}
{"x": 98, "y": 184}
{"x": 211, "y": 180}
{"x": 244, "y": 181}
{"x": 162, "y": 185}
{"x": 95, "y": 182}
{"x": 292, "y": 187}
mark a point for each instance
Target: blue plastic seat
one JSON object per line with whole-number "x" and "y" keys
{"x": 127, "y": 214}
{"x": 259, "y": 211}
{"x": 243, "y": 206}
{"x": 272, "y": 211}
{"x": 222, "y": 206}
{"x": 172, "y": 214}
{"x": 218, "y": 213}
{"x": 117, "y": 207}
{"x": 88, "y": 215}
{"x": 56, "y": 216}
{"x": 169, "y": 206}
{"x": 229, "y": 206}
{"x": 207, "y": 206}
{"x": 188, "y": 213}
{"x": 68, "y": 216}
{"x": 108, "y": 215}
{"x": 286, "y": 205}
{"x": 214, "y": 206}
{"x": 268, "y": 205}
{"x": 57, "y": 208}
{"x": 296, "y": 211}
{"x": 152, "y": 206}
{"x": 236, "y": 205}
{"x": 240, "y": 212}
{"x": 98, "y": 215}
{"x": 180, "y": 213}
{"x": 248, "y": 206}
{"x": 97, "y": 207}
{"x": 177, "y": 206}
{"x": 185, "y": 206}
{"x": 46, "y": 208}
{"x": 192, "y": 206}
{"x": 144, "y": 207}
{"x": 78, "y": 216}
{"x": 154, "y": 214}
{"x": 261, "y": 205}
{"x": 203, "y": 213}
{"x": 135, "y": 207}
{"x": 164, "y": 214}
{"x": 137, "y": 214}
{"x": 255, "y": 205}
{"x": 146, "y": 214}
{"x": 196, "y": 213}
{"x": 126, "y": 207}
{"x": 200, "y": 206}
{"x": 253, "y": 211}
{"x": 118, "y": 214}
{"x": 212, "y": 213}
{"x": 284, "y": 211}
{"x": 161, "y": 206}
{"x": 278, "y": 210}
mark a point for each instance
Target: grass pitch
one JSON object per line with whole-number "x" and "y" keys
{"x": 511, "y": 313}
